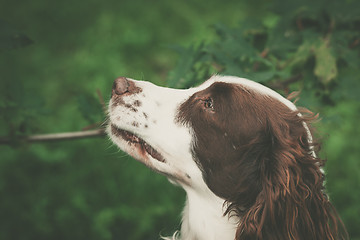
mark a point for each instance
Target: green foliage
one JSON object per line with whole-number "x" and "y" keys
{"x": 297, "y": 46}
{"x": 10, "y": 38}
{"x": 55, "y": 57}
{"x": 90, "y": 108}
{"x": 342, "y": 152}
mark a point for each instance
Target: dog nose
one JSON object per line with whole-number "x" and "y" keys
{"x": 120, "y": 86}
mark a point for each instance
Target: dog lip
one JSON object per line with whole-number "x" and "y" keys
{"x": 139, "y": 142}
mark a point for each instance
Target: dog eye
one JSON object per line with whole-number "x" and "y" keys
{"x": 208, "y": 103}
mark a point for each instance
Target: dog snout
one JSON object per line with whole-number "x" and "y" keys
{"x": 120, "y": 86}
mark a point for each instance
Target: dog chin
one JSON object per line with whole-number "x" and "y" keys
{"x": 143, "y": 152}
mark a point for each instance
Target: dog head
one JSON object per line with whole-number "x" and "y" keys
{"x": 234, "y": 139}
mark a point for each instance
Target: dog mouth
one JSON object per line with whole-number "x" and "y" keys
{"x": 138, "y": 142}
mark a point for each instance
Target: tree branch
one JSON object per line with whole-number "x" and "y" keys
{"x": 355, "y": 43}
{"x": 283, "y": 85}
{"x": 101, "y": 100}
{"x": 57, "y": 136}
{"x": 263, "y": 54}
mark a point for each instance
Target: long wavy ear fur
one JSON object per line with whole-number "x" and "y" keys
{"x": 291, "y": 202}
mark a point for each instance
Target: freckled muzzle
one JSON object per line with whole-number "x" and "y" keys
{"x": 121, "y": 87}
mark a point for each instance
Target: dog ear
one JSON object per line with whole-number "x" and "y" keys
{"x": 291, "y": 202}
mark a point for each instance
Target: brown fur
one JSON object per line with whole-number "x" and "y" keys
{"x": 260, "y": 161}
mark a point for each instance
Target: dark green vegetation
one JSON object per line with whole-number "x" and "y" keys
{"x": 55, "y": 55}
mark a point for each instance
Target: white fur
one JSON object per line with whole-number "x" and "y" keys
{"x": 203, "y": 213}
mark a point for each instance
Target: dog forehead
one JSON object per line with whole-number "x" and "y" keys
{"x": 251, "y": 85}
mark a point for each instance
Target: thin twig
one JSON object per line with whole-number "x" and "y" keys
{"x": 263, "y": 54}
{"x": 355, "y": 43}
{"x": 283, "y": 85}
{"x": 91, "y": 126}
{"x": 57, "y": 136}
{"x": 299, "y": 24}
{"x": 101, "y": 99}
{"x": 217, "y": 67}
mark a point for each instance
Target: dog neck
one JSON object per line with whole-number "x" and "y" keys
{"x": 203, "y": 218}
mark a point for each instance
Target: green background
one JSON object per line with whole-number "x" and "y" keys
{"x": 55, "y": 55}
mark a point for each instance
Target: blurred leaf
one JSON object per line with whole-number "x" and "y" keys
{"x": 348, "y": 85}
{"x": 231, "y": 47}
{"x": 263, "y": 76}
{"x": 325, "y": 66}
{"x": 10, "y": 38}
{"x": 303, "y": 53}
{"x": 90, "y": 108}
{"x": 183, "y": 74}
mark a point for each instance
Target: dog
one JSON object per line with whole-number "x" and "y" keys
{"x": 244, "y": 154}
